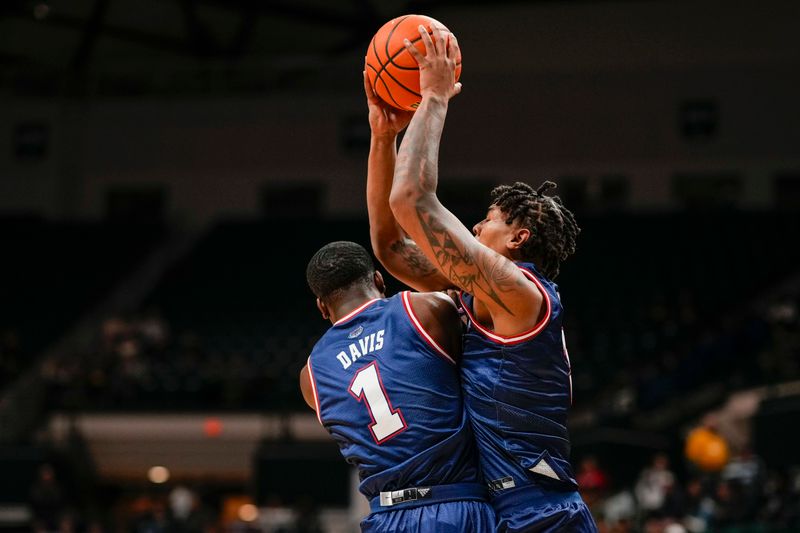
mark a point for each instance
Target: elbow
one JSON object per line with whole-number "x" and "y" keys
{"x": 382, "y": 253}
{"x": 402, "y": 201}
{"x": 381, "y": 246}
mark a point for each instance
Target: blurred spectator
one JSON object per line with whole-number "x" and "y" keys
{"x": 728, "y": 505}
{"x": 593, "y": 481}
{"x": 48, "y": 504}
{"x": 674, "y": 506}
{"x": 590, "y": 476}
{"x": 745, "y": 471}
{"x": 618, "y": 509}
{"x": 277, "y": 518}
{"x": 739, "y": 499}
{"x": 654, "y": 484}
{"x": 186, "y": 512}
{"x": 155, "y": 521}
{"x": 699, "y": 507}
{"x": 138, "y": 363}
{"x": 154, "y": 329}
{"x": 181, "y": 503}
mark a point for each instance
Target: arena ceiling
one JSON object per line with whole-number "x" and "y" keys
{"x": 144, "y": 46}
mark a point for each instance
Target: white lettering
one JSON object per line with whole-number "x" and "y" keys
{"x": 354, "y": 353}
{"x": 342, "y": 357}
{"x": 364, "y": 343}
{"x": 367, "y": 344}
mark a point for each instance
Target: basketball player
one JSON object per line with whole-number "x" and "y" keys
{"x": 384, "y": 383}
{"x": 515, "y": 368}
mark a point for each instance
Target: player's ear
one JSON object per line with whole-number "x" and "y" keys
{"x": 379, "y": 283}
{"x": 518, "y": 238}
{"x": 323, "y": 309}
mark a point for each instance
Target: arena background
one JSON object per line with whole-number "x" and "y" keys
{"x": 168, "y": 167}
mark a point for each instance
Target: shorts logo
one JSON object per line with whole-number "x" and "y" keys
{"x": 502, "y": 483}
{"x": 543, "y": 468}
{"x": 356, "y": 332}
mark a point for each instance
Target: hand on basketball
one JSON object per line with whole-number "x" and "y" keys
{"x": 437, "y": 68}
{"x": 383, "y": 118}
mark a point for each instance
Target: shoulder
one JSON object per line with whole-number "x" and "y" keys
{"x": 436, "y": 305}
{"x": 544, "y": 286}
{"x": 532, "y": 274}
{"x": 436, "y": 318}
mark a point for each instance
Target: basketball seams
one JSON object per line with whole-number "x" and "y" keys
{"x": 399, "y": 52}
{"x": 390, "y": 61}
{"x": 384, "y": 71}
{"x": 390, "y": 57}
{"x": 386, "y": 87}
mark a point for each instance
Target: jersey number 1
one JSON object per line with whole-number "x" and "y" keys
{"x": 386, "y": 421}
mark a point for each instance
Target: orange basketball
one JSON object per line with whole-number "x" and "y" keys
{"x": 391, "y": 70}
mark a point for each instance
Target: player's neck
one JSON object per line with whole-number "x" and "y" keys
{"x": 350, "y": 302}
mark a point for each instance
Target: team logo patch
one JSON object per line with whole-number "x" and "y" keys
{"x": 356, "y": 332}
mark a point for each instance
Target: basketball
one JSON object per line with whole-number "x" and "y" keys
{"x": 391, "y": 70}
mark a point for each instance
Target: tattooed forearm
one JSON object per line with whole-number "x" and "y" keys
{"x": 419, "y": 152}
{"x": 504, "y": 274}
{"x": 413, "y": 257}
{"x": 487, "y": 274}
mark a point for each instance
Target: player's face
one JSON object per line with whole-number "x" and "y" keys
{"x": 493, "y": 232}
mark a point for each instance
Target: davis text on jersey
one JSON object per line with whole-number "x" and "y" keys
{"x": 365, "y": 345}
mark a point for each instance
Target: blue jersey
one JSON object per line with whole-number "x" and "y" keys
{"x": 517, "y": 391}
{"x": 391, "y": 398}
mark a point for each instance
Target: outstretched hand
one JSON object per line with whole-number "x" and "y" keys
{"x": 383, "y": 118}
{"x": 437, "y": 68}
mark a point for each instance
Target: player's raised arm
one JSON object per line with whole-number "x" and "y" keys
{"x": 495, "y": 281}
{"x": 396, "y": 252}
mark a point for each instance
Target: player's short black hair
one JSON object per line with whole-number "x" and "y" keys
{"x": 336, "y": 267}
{"x": 554, "y": 230}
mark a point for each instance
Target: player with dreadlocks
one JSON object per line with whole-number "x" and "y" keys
{"x": 515, "y": 370}
{"x": 553, "y": 224}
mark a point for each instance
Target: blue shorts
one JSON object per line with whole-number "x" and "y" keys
{"x": 454, "y": 508}
{"x": 446, "y": 517}
{"x": 530, "y": 509}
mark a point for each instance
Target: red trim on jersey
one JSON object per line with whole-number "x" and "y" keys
{"x": 421, "y": 330}
{"x": 569, "y": 365}
{"x": 522, "y": 337}
{"x": 355, "y": 311}
{"x": 363, "y": 396}
{"x": 314, "y": 390}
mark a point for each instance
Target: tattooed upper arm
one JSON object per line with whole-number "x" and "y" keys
{"x": 492, "y": 279}
{"x": 474, "y": 268}
{"x": 405, "y": 261}
{"x": 412, "y": 257}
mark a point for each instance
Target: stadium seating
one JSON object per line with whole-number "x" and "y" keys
{"x": 645, "y": 308}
